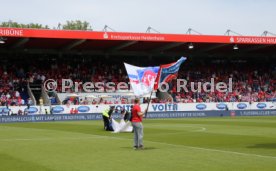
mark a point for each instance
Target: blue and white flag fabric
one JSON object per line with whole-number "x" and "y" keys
{"x": 141, "y": 79}
{"x": 168, "y": 72}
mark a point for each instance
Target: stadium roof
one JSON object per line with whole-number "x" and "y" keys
{"x": 122, "y": 43}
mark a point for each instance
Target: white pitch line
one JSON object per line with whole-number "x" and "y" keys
{"x": 43, "y": 139}
{"x": 215, "y": 150}
{"x": 174, "y": 133}
{"x": 202, "y": 129}
{"x": 173, "y": 145}
{"x": 187, "y": 126}
{"x": 196, "y": 148}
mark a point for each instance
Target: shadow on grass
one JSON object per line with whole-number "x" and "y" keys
{"x": 145, "y": 148}
{"x": 265, "y": 146}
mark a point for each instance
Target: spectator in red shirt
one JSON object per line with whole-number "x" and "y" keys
{"x": 72, "y": 111}
{"x": 76, "y": 111}
{"x": 137, "y": 117}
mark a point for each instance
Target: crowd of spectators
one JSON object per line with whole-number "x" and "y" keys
{"x": 12, "y": 88}
{"x": 252, "y": 81}
{"x": 86, "y": 72}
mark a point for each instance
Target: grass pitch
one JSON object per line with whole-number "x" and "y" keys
{"x": 241, "y": 143}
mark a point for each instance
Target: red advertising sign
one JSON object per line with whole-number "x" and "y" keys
{"x": 69, "y": 34}
{"x": 11, "y": 32}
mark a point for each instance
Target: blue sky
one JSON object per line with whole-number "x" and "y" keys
{"x": 167, "y": 16}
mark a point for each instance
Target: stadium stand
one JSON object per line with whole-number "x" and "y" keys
{"x": 13, "y": 87}
{"x": 253, "y": 80}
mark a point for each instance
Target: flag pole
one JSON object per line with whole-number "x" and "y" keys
{"x": 146, "y": 113}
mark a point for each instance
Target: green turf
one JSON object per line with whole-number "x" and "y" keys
{"x": 241, "y": 143}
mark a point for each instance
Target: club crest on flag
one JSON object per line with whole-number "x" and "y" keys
{"x": 148, "y": 75}
{"x": 141, "y": 79}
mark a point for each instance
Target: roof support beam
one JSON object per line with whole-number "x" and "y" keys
{"x": 122, "y": 46}
{"x": 20, "y": 43}
{"x": 122, "y": 53}
{"x": 257, "y": 47}
{"x": 74, "y": 44}
{"x": 167, "y": 47}
{"x": 214, "y": 47}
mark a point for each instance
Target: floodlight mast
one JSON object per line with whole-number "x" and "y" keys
{"x": 106, "y": 28}
{"x": 149, "y": 29}
{"x": 190, "y": 30}
{"x": 228, "y": 33}
{"x": 266, "y": 33}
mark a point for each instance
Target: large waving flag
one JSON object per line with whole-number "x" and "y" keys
{"x": 168, "y": 72}
{"x": 141, "y": 79}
